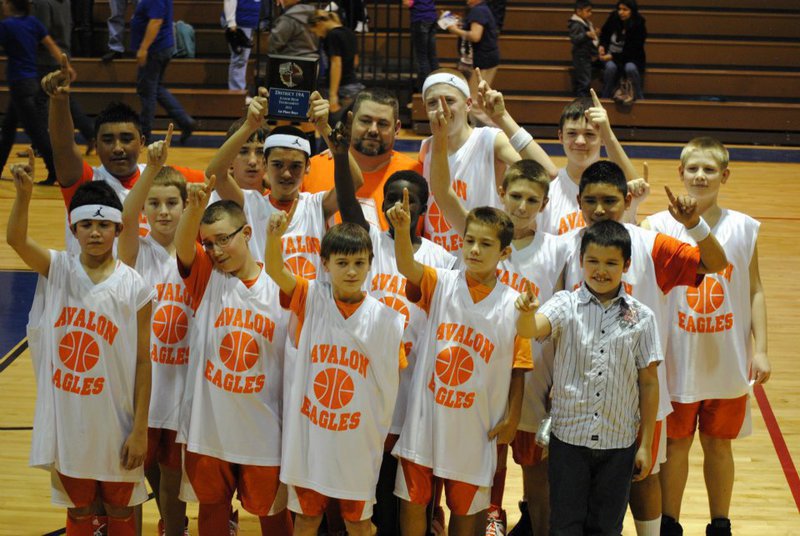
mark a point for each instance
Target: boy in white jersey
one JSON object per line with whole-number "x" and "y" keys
{"x": 232, "y": 405}
{"x": 287, "y": 152}
{"x": 467, "y": 388}
{"x": 160, "y": 193}
{"x": 89, "y": 332}
{"x": 343, "y": 360}
{"x": 710, "y": 360}
{"x": 477, "y": 155}
{"x": 249, "y": 167}
{"x": 385, "y": 283}
{"x": 583, "y": 130}
{"x": 658, "y": 264}
{"x": 537, "y": 258}
{"x": 605, "y": 388}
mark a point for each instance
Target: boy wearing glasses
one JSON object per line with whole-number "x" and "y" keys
{"x": 231, "y": 411}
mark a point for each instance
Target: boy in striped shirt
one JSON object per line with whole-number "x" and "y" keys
{"x": 605, "y": 387}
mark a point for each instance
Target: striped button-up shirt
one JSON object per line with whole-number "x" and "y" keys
{"x": 599, "y": 351}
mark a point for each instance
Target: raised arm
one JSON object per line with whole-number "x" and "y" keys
{"x": 441, "y": 187}
{"x": 135, "y": 447}
{"x": 530, "y": 324}
{"x": 345, "y": 190}
{"x": 273, "y": 256}
{"x": 400, "y": 218}
{"x": 598, "y": 116}
{"x": 128, "y": 241}
{"x": 66, "y": 154}
{"x": 760, "y": 368}
{"x": 34, "y": 255}
{"x": 188, "y": 227}
{"x": 684, "y": 209}
{"x": 492, "y": 103}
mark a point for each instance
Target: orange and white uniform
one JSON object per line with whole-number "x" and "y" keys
{"x": 472, "y": 175}
{"x": 232, "y": 403}
{"x": 562, "y": 213}
{"x": 389, "y": 286}
{"x": 301, "y": 242}
{"x": 83, "y": 342}
{"x": 709, "y": 337}
{"x": 341, "y": 384}
{"x": 460, "y": 387}
{"x": 659, "y": 263}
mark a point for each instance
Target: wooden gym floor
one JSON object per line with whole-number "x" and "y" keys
{"x": 766, "y": 495}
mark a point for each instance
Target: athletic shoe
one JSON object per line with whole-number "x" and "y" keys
{"x": 494, "y": 524}
{"x": 670, "y": 527}
{"x": 438, "y": 527}
{"x": 719, "y": 526}
{"x": 162, "y": 532}
{"x": 99, "y": 525}
{"x": 523, "y": 526}
{"x": 233, "y": 523}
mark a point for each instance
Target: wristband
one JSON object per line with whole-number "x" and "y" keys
{"x": 700, "y": 231}
{"x": 520, "y": 139}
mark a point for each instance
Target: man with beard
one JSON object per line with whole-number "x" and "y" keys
{"x": 375, "y": 127}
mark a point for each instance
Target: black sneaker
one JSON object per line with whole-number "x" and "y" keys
{"x": 523, "y": 526}
{"x": 187, "y": 132}
{"x": 719, "y": 526}
{"x": 670, "y": 527}
{"x": 110, "y": 56}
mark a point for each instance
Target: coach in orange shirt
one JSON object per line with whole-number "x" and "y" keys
{"x": 375, "y": 127}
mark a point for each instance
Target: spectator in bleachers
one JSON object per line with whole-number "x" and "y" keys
{"x": 341, "y": 47}
{"x": 116, "y": 28}
{"x": 290, "y": 35}
{"x": 82, "y": 21}
{"x": 423, "y": 35}
{"x": 583, "y": 37}
{"x": 622, "y": 48}
{"x": 240, "y": 17}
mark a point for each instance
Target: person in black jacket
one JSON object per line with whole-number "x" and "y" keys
{"x": 622, "y": 47}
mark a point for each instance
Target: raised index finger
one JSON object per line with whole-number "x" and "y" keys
{"x": 168, "y": 138}
{"x": 595, "y": 99}
{"x": 670, "y": 195}
{"x": 212, "y": 182}
{"x": 646, "y": 172}
{"x": 31, "y": 157}
{"x": 405, "y": 200}
{"x": 65, "y": 64}
{"x": 291, "y": 211}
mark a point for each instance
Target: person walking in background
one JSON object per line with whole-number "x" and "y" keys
{"x": 341, "y": 47}
{"x": 290, "y": 35}
{"x": 239, "y": 16}
{"x": 622, "y": 48}
{"x": 584, "y": 41}
{"x": 116, "y": 26}
{"x": 423, "y": 35}
{"x": 153, "y": 39}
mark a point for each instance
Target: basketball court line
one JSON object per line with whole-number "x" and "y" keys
{"x": 13, "y": 354}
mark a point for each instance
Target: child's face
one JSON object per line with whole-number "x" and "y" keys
{"x": 585, "y": 13}
{"x": 623, "y": 11}
{"x": 603, "y": 201}
{"x": 163, "y": 209}
{"x": 286, "y": 169}
{"x": 226, "y": 243}
{"x": 249, "y": 166}
{"x": 603, "y": 267}
{"x": 581, "y": 142}
{"x": 458, "y": 104}
{"x": 348, "y": 272}
{"x": 702, "y": 175}
{"x": 394, "y": 194}
{"x": 96, "y": 237}
{"x": 481, "y": 251}
{"x": 522, "y": 201}
{"x": 118, "y": 147}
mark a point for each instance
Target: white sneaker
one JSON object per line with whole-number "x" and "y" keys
{"x": 361, "y": 27}
{"x": 494, "y": 524}
{"x": 233, "y": 523}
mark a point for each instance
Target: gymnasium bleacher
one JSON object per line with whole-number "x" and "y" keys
{"x": 730, "y": 69}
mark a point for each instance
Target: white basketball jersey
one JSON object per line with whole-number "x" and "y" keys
{"x": 709, "y": 340}
{"x": 169, "y": 332}
{"x": 472, "y": 176}
{"x": 83, "y": 342}
{"x": 540, "y": 263}
{"x": 301, "y": 241}
{"x": 101, "y": 174}
{"x": 232, "y": 404}
{"x": 342, "y": 383}
{"x": 459, "y": 390}
{"x": 387, "y": 285}
{"x": 562, "y": 213}
{"x": 640, "y": 282}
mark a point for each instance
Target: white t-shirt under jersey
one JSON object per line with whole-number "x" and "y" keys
{"x": 472, "y": 175}
{"x": 83, "y": 342}
{"x": 709, "y": 338}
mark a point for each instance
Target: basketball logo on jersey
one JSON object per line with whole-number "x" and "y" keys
{"x": 334, "y": 387}
{"x": 301, "y": 267}
{"x": 79, "y": 352}
{"x": 439, "y": 230}
{"x": 170, "y": 324}
{"x": 705, "y": 300}
{"x": 568, "y": 222}
{"x": 455, "y": 364}
{"x": 297, "y": 250}
{"x": 398, "y": 305}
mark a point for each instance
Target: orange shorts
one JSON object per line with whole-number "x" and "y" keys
{"x": 215, "y": 481}
{"x": 720, "y": 418}
{"x": 162, "y": 449}
{"x": 658, "y": 448}
{"x": 83, "y": 491}
{"x": 414, "y": 483}
{"x": 312, "y": 503}
{"x": 525, "y": 449}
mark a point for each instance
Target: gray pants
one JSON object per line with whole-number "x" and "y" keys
{"x": 116, "y": 23}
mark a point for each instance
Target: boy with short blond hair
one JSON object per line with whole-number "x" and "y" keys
{"x": 711, "y": 361}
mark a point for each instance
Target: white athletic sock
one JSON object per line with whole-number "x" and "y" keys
{"x": 648, "y": 528}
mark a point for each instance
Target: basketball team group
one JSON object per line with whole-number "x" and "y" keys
{"x": 346, "y": 341}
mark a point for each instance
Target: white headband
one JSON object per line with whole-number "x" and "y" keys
{"x": 287, "y": 141}
{"x": 445, "y": 78}
{"x": 95, "y": 212}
